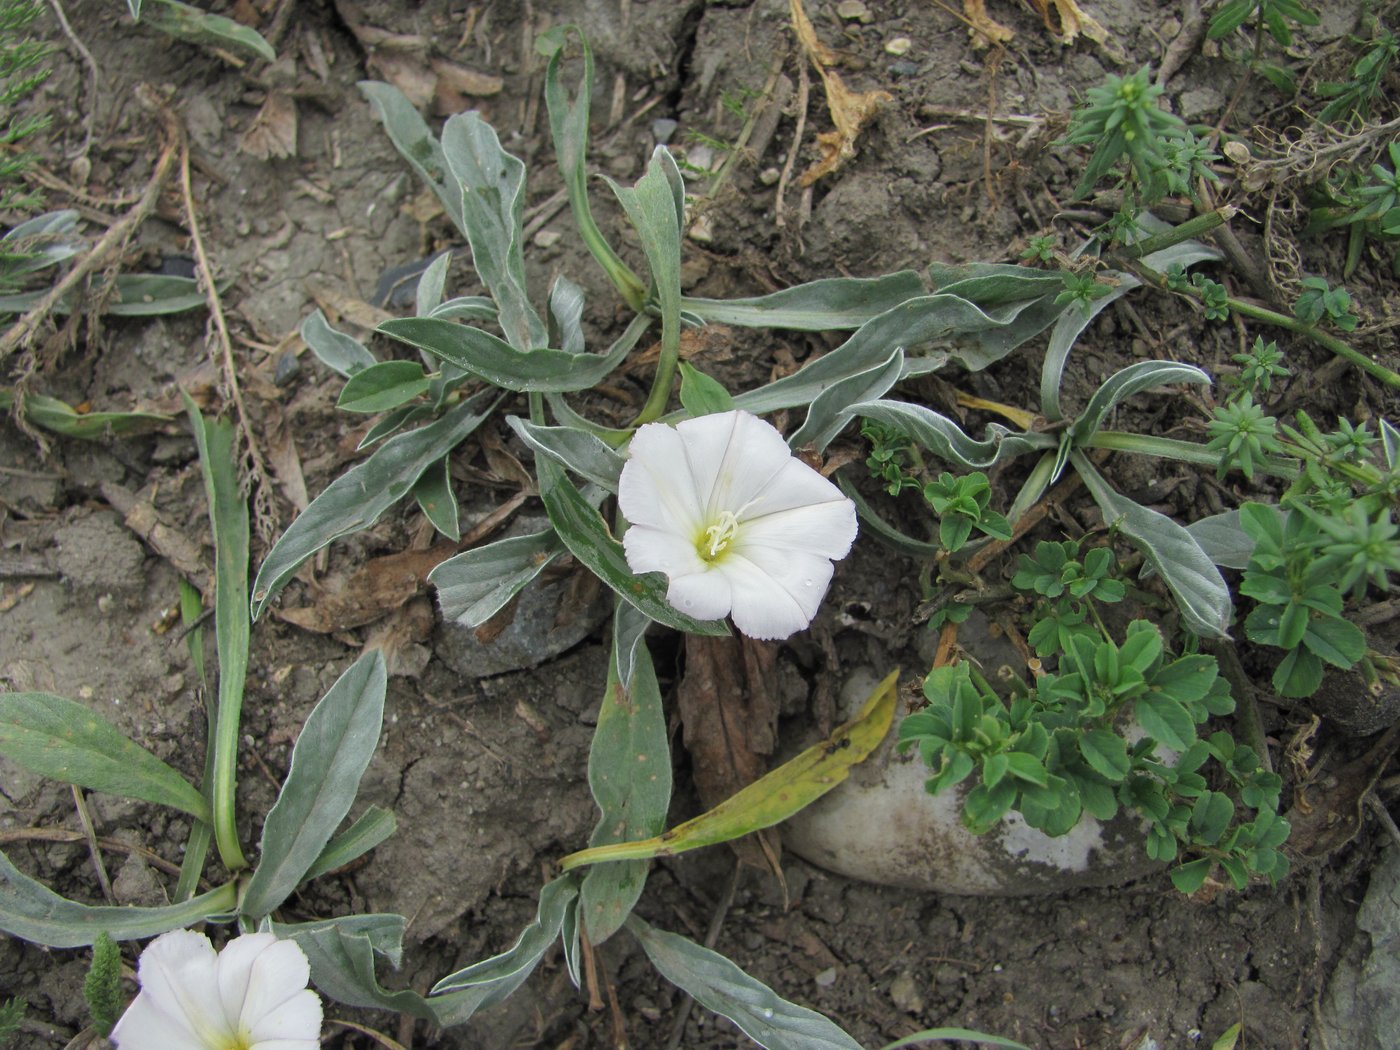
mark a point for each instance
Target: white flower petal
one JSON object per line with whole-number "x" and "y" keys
{"x": 704, "y": 595}
{"x": 276, "y": 972}
{"x": 777, "y": 595}
{"x": 656, "y": 488}
{"x": 235, "y": 970}
{"x": 294, "y": 1020}
{"x": 655, "y": 550}
{"x": 796, "y": 485}
{"x": 827, "y": 529}
{"x": 178, "y": 975}
{"x": 287, "y": 1044}
{"x": 733, "y": 456}
{"x": 144, "y": 1026}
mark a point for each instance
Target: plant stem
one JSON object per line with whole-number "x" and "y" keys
{"x": 1328, "y": 342}
{"x": 1188, "y": 230}
{"x": 665, "y": 373}
{"x": 1185, "y": 451}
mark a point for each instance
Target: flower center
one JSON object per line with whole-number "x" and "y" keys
{"x": 719, "y": 535}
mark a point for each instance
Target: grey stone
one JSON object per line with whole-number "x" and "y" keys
{"x": 1362, "y": 1011}
{"x": 97, "y": 551}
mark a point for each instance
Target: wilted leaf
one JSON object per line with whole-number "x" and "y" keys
{"x": 850, "y": 110}
{"x": 375, "y": 589}
{"x": 1073, "y": 20}
{"x": 983, "y": 29}
{"x": 273, "y": 133}
{"x": 728, "y": 702}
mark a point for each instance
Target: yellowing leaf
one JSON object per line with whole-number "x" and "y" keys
{"x": 771, "y": 799}
{"x": 849, "y": 109}
{"x": 983, "y": 29}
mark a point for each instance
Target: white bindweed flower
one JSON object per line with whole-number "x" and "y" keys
{"x": 250, "y": 996}
{"x": 737, "y": 524}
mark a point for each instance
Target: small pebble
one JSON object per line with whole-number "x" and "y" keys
{"x": 900, "y": 45}
{"x": 854, "y": 11}
{"x": 904, "y": 993}
{"x": 769, "y": 176}
{"x": 547, "y": 238}
{"x": 662, "y": 128}
{"x": 904, "y": 68}
{"x": 702, "y": 230}
{"x": 1236, "y": 151}
{"x": 288, "y": 368}
{"x": 826, "y": 978}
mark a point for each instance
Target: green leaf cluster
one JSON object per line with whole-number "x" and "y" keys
{"x": 1122, "y": 120}
{"x": 1072, "y": 744}
{"x": 1067, "y": 582}
{"x": 961, "y": 506}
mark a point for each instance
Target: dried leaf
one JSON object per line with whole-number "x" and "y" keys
{"x": 141, "y": 517}
{"x": 407, "y": 72}
{"x": 1073, "y": 20}
{"x": 728, "y": 702}
{"x": 983, "y": 29}
{"x": 285, "y": 461}
{"x": 401, "y": 636}
{"x": 377, "y": 588}
{"x": 339, "y": 307}
{"x": 457, "y": 86}
{"x": 1327, "y": 813}
{"x": 273, "y": 133}
{"x": 850, "y": 110}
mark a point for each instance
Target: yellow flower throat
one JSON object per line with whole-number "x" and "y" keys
{"x": 718, "y": 536}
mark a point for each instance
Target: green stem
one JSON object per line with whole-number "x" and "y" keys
{"x": 1034, "y": 487}
{"x": 1328, "y": 342}
{"x": 1185, "y": 451}
{"x": 665, "y": 372}
{"x": 1188, "y": 230}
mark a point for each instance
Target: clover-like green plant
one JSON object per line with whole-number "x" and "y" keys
{"x": 961, "y": 505}
{"x": 1351, "y": 99}
{"x": 1319, "y": 300}
{"x": 1268, "y": 18}
{"x": 1067, "y": 582}
{"x": 1066, "y": 747}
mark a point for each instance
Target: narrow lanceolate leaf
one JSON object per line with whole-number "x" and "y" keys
{"x": 629, "y": 773}
{"x": 566, "y": 316}
{"x": 702, "y": 395}
{"x": 1123, "y": 384}
{"x": 342, "y": 954}
{"x": 491, "y": 980}
{"x": 374, "y": 825}
{"x": 200, "y": 27}
{"x": 718, "y": 985}
{"x": 475, "y": 585}
{"x": 491, "y": 183}
{"x": 584, "y": 532}
{"x": 334, "y": 349}
{"x": 945, "y": 439}
{"x": 1067, "y": 329}
{"x": 568, "y": 126}
{"x": 772, "y": 798}
{"x": 383, "y": 386}
{"x": 830, "y": 411}
{"x": 1196, "y": 584}
{"x": 427, "y": 297}
{"x": 409, "y": 133}
{"x": 66, "y": 741}
{"x": 1223, "y": 539}
{"x": 572, "y": 448}
{"x": 955, "y": 1035}
{"x": 357, "y": 498}
{"x": 830, "y": 304}
{"x": 32, "y": 911}
{"x": 433, "y": 492}
{"x": 329, "y": 757}
{"x": 57, "y": 416}
{"x": 500, "y": 364}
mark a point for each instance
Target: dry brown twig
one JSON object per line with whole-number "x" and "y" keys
{"x": 264, "y": 510}
{"x": 108, "y": 247}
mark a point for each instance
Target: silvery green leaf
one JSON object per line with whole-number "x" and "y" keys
{"x": 946, "y": 440}
{"x": 992, "y": 284}
{"x": 416, "y": 144}
{"x": 200, "y": 27}
{"x": 1223, "y": 538}
{"x": 497, "y": 362}
{"x": 818, "y": 306}
{"x": 372, "y": 827}
{"x": 69, "y": 742}
{"x": 1123, "y": 384}
{"x": 383, "y": 386}
{"x": 62, "y": 418}
{"x": 1185, "y": 254}
{"x": 329, "y": 758}
{"x": 336, "y": 350}
{"x": 577, "y": 450}
{"x": 134, "y": 6}
{"x": 357, "y": 498}
{"x": 43, "y": 241}
{"x": 475, "y": 585}
{"x": 32, "y": 911}
{"x": 433, "y": 493}
{"x": 465, "y": 308}
{"x": 702, "y": 395}
{"x": 630, "y": 626}
{"x": 584, "y": 532}
{"x": 392, "y": 422}
{"x": 428, "y": 296}
{"x": 1196, "y": 584}
{"x": 568, "y": 125}
{"x": 571, "y": 938}
{"x": 342, "y": 956}
{"x": 882, "y": 529}
{"x": 955, "y": 1034}
{"x": 1067, "y": 329}
{"x": 491, "y": 184}
{"x": 1390, "y": 444}
{"x": 718, "y": 985}
{"x": 566, "y": 316}
{"x": 495, "y": 978}
{"x": 629, "y": 774}
{"x": 136, "y": 295}
{"x": 830, "y": 411}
